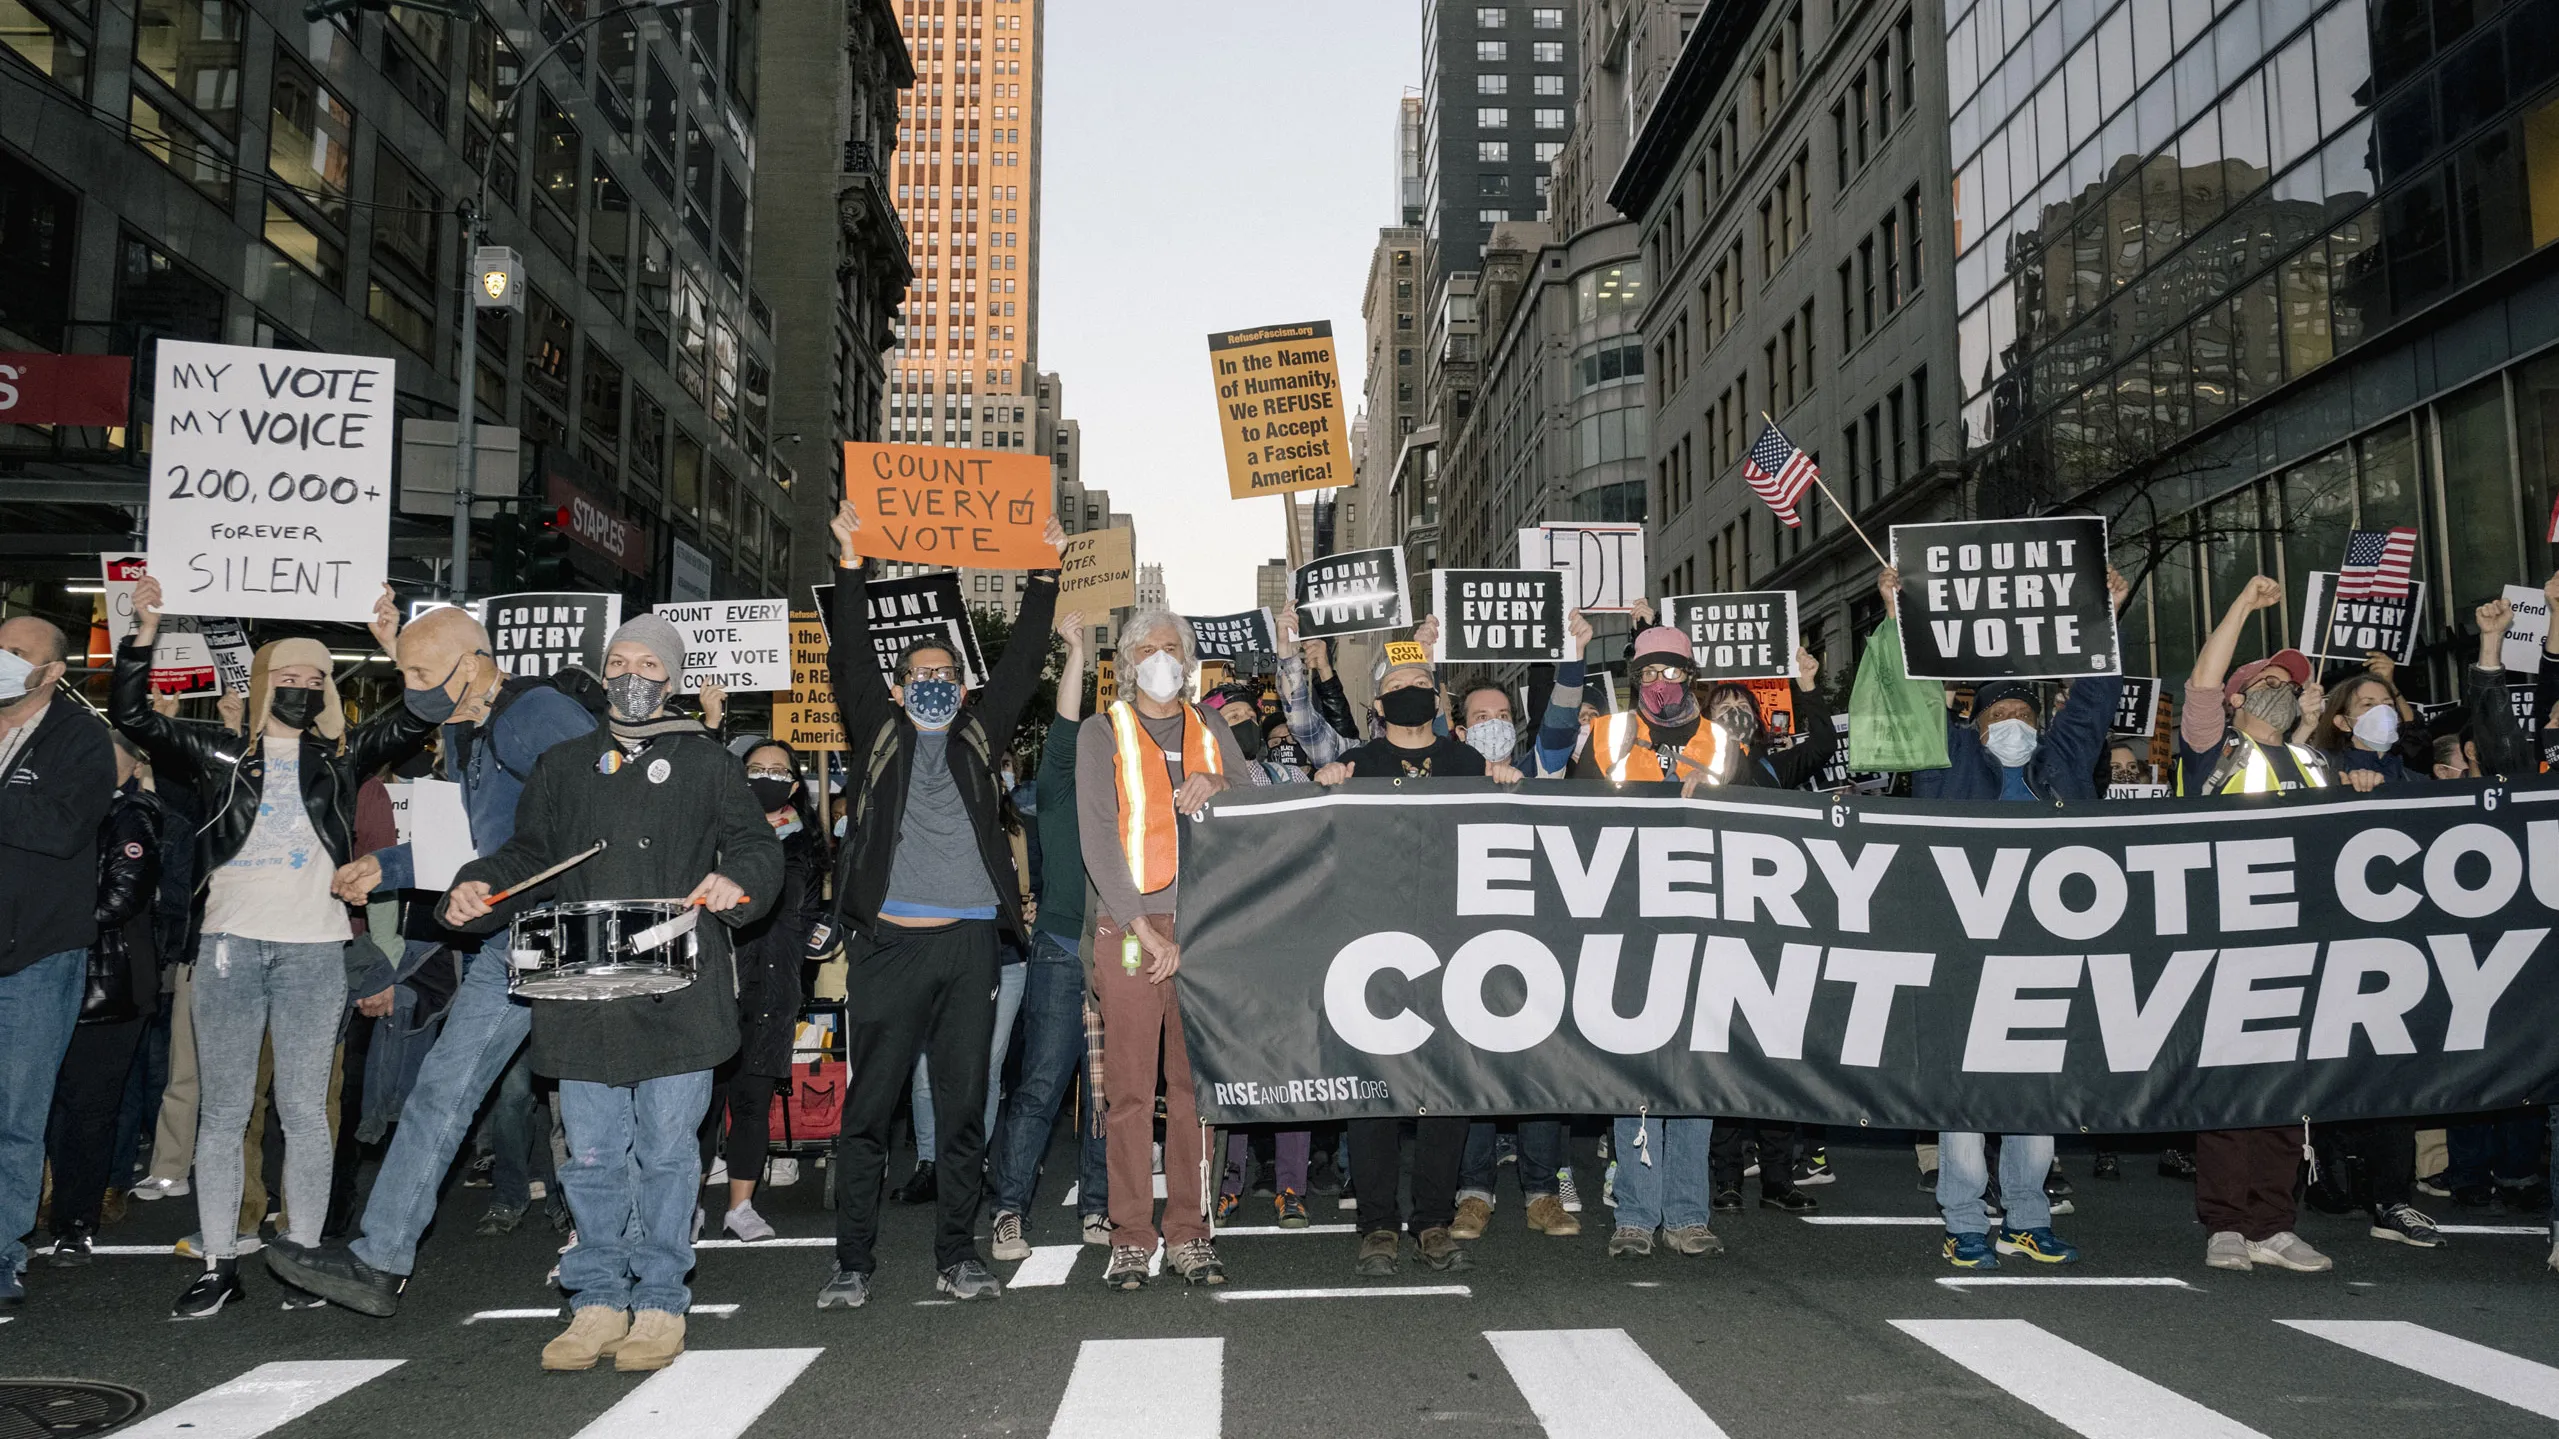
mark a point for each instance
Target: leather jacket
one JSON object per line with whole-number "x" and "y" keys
{"x": 228, "y": 770}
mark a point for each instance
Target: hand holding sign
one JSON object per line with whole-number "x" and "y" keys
{"x": 842, "y": 524}
{"x": 385, "y": 623}
{"x": 146, "y": 610}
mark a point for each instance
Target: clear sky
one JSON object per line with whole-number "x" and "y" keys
{"x": 1209, "y": 166}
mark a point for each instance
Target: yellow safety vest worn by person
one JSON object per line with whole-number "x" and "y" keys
{"x": 1622, "y": 745}
{"x": 1147, "y": 834}
{"x": 2248, "y": 768}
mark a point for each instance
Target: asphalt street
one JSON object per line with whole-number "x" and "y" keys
{"x": 1799, "y": 1329}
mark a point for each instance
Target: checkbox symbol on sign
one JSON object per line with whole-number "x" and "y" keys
{"x": 1018, "y": 511}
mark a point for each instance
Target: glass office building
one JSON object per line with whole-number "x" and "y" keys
{"x": 2246, "y": 274}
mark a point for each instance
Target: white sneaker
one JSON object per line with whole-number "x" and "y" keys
{"x": 2289, "y": 1251}
{"x": 719, "y": 1173}
{"x": 782, "y": 1173}
{"x": 1097, "y": 1230}
{"x": 1009, "y": 1242}
{"x": 157, "y": 1188}
{"x": 746, "y": 1224}
{"x": 2226, "y": 1250}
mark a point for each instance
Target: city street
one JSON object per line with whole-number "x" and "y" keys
{"x": 1819, "y": 1326}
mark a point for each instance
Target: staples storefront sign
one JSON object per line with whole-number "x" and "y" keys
{"x": 594, "y": 524}
{"x": 47, "y": 389}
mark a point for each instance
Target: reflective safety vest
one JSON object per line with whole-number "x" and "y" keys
{"x": 1148, "y": 836}
{"x": 2249, "y": 768}
{"x": 1623, "y": 744}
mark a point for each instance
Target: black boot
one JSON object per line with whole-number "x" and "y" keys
{"x": 919, "y": 1188}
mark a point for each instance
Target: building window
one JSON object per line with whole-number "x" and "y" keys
{"x": 1547, "y": 150}
{"x": 1492, "y": 84}
{"x": 54, "y": 52}
{"x": 1491, "y": 17}
{"x": 193, "y": 48}
{"x": 1492, "y": 118}
{"x": 1492, "y": 52}
{"x": 324, "y": 257}
{"x": 39, "y": 230}
{"x": 1550, "y": 84}
{"x": 1492, "y": 217}
{"x": 1546, "y": 52}
{"x": 175, "y": 143}
{"x": 1492, "y": 152}
{"x": 1546, "y": 19}
{"x": 1549, "y": 119}
{"x": 309, "y": 135}
{"x": 1490, "y": 182}
{"x": 600, "y": 403}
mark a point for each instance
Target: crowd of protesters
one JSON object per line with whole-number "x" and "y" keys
{"x": 205, "y": 923}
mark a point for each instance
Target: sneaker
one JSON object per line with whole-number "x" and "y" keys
{"x": 2039, "y": 1245}
{"x": 1792, "y": 1201}
{"x": 158, "y": 1188}
{"x": 1629, "y": 1242}
{"x": 1127, "y": 1270}
{"x": 2402, "y": 1224}
{"x": 500, "y": 1219}
{"x": 2474, "y": 1196}
{"x": 218, "y": 1285}
{"x": 1728, "y": 1199}
{"x": 1473, "y": 1213}
{"x": 1196, "y": 1261}
{"x": 69, "y": 1251}
{"x": 1438, "y": 1249}
{"x": 1227, "y": 1204}
{"x": 2057, "y": 1186}
{"x": 1928, "y": 1181}
{"x": 1694, "y": 1240}
{"x": 1751, "y": 1170}
{"x": 112, "y": 1209}
{"x": 2179, "y": 1164}
{"x": 1970, "y": 1251}
{"x": 717, "y": 1174}
{"x": 781, "y": 1173}
{"x": 2108, "y": 1167}
{"x": 2433, "y": 1184}
{"x": 2289, "y": 1251}
{"x": 1547, "y": 1215}
{"x": 920, "y": 1187}
{"x": 2227, "y": 1250}
{"x": 966, "y": 1280}
{"x": 1566, "y": 1192}
{"x": 1505, "y": 1149}
{"x": 1097, "y": 1228}
{"x": 844, "y": 1290}
{"x": 1814, "y": 1168}
{"x": 1009, "y": 1243}
{"x": 2526, "y": 1197}
{"x": 1324, "y": 1174}
{"x": 333, "y": 1272}
{"x": 478, "y": 1175}
{"x": 1377, "y": 1250}
{"x": 746, "y": 1224}
{"x": 2063, "y": 1206}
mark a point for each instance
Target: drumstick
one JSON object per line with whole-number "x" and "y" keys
{"x": 572, "y": 862}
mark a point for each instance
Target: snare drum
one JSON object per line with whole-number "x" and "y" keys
{"x": 593, "y": 949}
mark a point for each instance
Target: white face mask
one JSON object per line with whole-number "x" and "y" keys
{"x": 2378, "y": 729}
{"x": 2011, "y": 742}
{"x": 1493, "y": 739}
{"x": 1160, "y": 675}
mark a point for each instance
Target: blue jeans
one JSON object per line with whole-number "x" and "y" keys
{"x": 520, "y": 1148}
{"x": 1671, "y": 1192}
{"x": 1541, "y": 1153}
{"x": 633, "y": 1178}
{"x": 1052, "y": 1056}
{"x": 1009, "y": 979}
{"x": 38, "y": 1007}
{"x": 483, "y": 1028}
{"x": 294, "y": 998}
{"x": 1963, "y": 1171}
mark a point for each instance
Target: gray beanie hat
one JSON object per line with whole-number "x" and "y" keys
{"x": 659, "y": 637}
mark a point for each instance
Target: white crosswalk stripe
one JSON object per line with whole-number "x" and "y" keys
{"x": 1597, "y": 1384}
{"x": 2475, "y": 1367}
{"x": 704, "y": 1394}
{"x": 1144, "y": 1389}
{"x": 2083, "y": 1393}
{"x": 266, "y": 1398}
{"x": 1047, "y": 1267}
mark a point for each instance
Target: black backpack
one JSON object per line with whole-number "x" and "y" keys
{"x": 571, "y": 680}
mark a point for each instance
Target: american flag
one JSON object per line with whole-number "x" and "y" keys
{"x": 1779, "y": 472}
{"x": 2377, "y": 563}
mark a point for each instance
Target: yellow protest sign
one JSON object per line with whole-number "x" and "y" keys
{"x": 1106, "y": 684}
{"x": 806, "y": 717}
{"x": 1279, "y": 407}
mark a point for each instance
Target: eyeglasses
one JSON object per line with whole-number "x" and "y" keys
{"x": 1655, "y": 674}
{"x": 935, "y": 672}
{"x": 768, "y": 774}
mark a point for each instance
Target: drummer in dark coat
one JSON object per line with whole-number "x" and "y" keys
{"x": 678, "y": 821}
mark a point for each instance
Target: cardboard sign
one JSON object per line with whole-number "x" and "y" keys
{"x": 544, "y": 633}
{"x": 934, "y": 506}
{"x": 1354, "y": 593}
{"x": 806, "y": 718}
{"x": 918, "y": 607}
{"x": 2528, "y": 635}
{"x": 2005, "y": 599}
{"x": 1279, "y": 407}
{"x": 2349, "y": 630}
{"x": 270, "y": 481}
{"x": 2136, "y": 709}
{"x": 1604, "y": 562}
{"x": 744, "y": 644}
{"x": 1097, "y": 572}
{"x": 1743, "y": 635}
{"x": 1106, "y": 684}
{"x": 1249, "y": 636}
{"x": 1498, "y": 615}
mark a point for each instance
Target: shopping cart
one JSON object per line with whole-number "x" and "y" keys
{"x": 808, "y": 1107}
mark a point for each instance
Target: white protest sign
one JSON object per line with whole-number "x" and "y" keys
{"x": 2530, "y": 630}
{"x": 270, "y": 481}
{"x": 1603, "y": 563}
{"x": 743, "y": 644}
{"x": 400, "y": 794}
{"x": 439, "y": 832}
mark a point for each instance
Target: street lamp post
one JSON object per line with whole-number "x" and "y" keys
{"x": 466, "y": 422}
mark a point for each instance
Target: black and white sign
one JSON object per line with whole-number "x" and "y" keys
{"x": 542, "y": 634}
{"x": 743, "y": 644}
{"x": 2005, "y": 599}
{"x": 1745, "y": 635}
{"x": 2350, "y": 629}
{"x": 1867, "y": 962}
{"x": 1602, "y": 562}
{"x": 918, "y": 607}
{"x": 2529, "y": 631}
{"x": 2136, "y": 791}
{"x": 1353, "y": 593}
{"x": 270, "y": 481}
{"x": 1498, "y": 615}
{"x": 1249, "y": 636}
{"x": 2136, "y": 709}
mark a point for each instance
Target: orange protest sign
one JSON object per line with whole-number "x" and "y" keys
{"x": 1279, "y": 407}
{"x": 928, "y": 505}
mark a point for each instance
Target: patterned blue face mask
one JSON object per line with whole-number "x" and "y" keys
{"x": 933, "y": 704}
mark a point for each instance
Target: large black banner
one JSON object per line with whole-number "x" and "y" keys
{"x": 1570, "y": 948}
{"x": 2005, "y": 599}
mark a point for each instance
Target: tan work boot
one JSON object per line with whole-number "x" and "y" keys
{"x": 593, "y": 1333}
{"x": 656, "y": 1338}
{"x": 1473, "y": 1214}
{"x": 1547, "y": 1215}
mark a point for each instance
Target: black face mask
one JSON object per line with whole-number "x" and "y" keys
{"x": 771, "y": 791}
{"x": 1286, "y": 752}
{"x": 298, "y": 708}
{"x": 1248, "y": 738}
{"x": 1411, "y": 707}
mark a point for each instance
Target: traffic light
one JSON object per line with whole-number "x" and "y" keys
{"x": 547, "y": 565}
